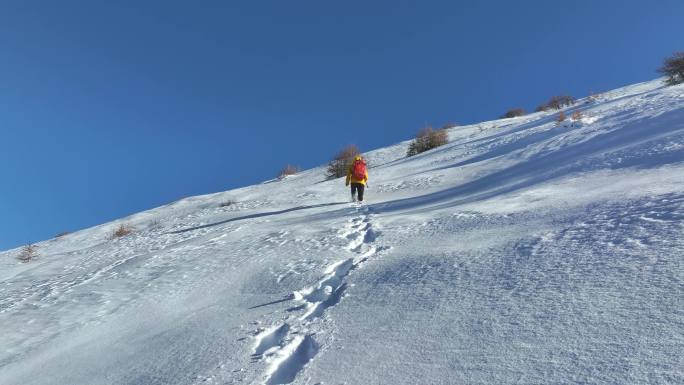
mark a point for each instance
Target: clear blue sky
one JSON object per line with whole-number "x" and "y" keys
{"x": 111, "y": 107}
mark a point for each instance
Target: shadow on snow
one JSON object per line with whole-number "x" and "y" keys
{"x": 257, "y": 215}
{"x": 574, "y": 158}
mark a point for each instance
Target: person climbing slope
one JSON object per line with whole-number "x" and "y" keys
{"x": 358, "y": 176}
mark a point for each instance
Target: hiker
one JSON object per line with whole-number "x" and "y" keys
{"x": 358, "y": 176}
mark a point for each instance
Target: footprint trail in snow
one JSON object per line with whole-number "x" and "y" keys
{"x": 287, "y": 347}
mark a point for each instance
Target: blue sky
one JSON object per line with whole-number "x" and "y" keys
{"x": 110, "y": 108}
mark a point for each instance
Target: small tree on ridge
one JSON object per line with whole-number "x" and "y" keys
{"x": 673, "y": 68}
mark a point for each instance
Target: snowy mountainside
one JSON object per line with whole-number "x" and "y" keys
{"x": 523, "y": 251}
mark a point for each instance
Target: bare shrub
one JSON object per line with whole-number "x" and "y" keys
{"x": 439, "y": 138}
{"x": 561, "y": 117}
{"x": 427, "y": 139}
{"x": 62, "y": 234}
{"x": 340, "y": 163}
{"x": 122, "y": 231}
{"x": 28, "y": 253}
{"x": 673, "y": 68}
{"x": 288, "y": 170}
{"x": 513, "y": 113}
{"x": 227, "y": 203}
{"x": 576, "y": 116}
{"x": 556, "y": 103}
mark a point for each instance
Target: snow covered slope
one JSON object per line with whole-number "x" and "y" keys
{"x": 524, "y": 251}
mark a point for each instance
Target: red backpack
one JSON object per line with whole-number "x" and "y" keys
{"x": 359, "y": 170}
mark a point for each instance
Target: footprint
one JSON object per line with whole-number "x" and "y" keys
{"x": 370, "y": 236}
{"x": 269, "y": 339}
{"x": 318, "y": 309}
{"x": 363, "y": 235}
{"x": 325, "y": 287}
{"x": 327, "y": 292}
{"x": 291, "y": 359}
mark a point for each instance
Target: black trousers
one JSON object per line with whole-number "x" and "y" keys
{"x": 357, "y": 187}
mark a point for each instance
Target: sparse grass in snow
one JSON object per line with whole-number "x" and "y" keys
{"x": 228, "y": 203}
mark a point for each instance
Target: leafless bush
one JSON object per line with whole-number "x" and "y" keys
{"x": 427, "y": 139}
{"x": 28, "y": 253}
{"x": 576, "y": 116}
{"x": 556, "y": 103}
{"x": 340, "y": 163}
{"x": 288, "y": 170}
{"x": 512, "y": 113}
{"x": 122, "y": 231}
{"x": 62, "y": 234}
{"x": 561, "y": 117}
{"x": 673, "y": 68}
{"x": 439, "y": 138}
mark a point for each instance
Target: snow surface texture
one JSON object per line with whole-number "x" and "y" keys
{"x": 523, "y": 252}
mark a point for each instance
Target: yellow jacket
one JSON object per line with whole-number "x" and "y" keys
{"x": 350, "y": 177}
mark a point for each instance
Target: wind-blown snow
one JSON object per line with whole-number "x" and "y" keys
{"x": 524, "y": 251}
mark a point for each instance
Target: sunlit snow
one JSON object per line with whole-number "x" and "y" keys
{"x": 524, "y": 251}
